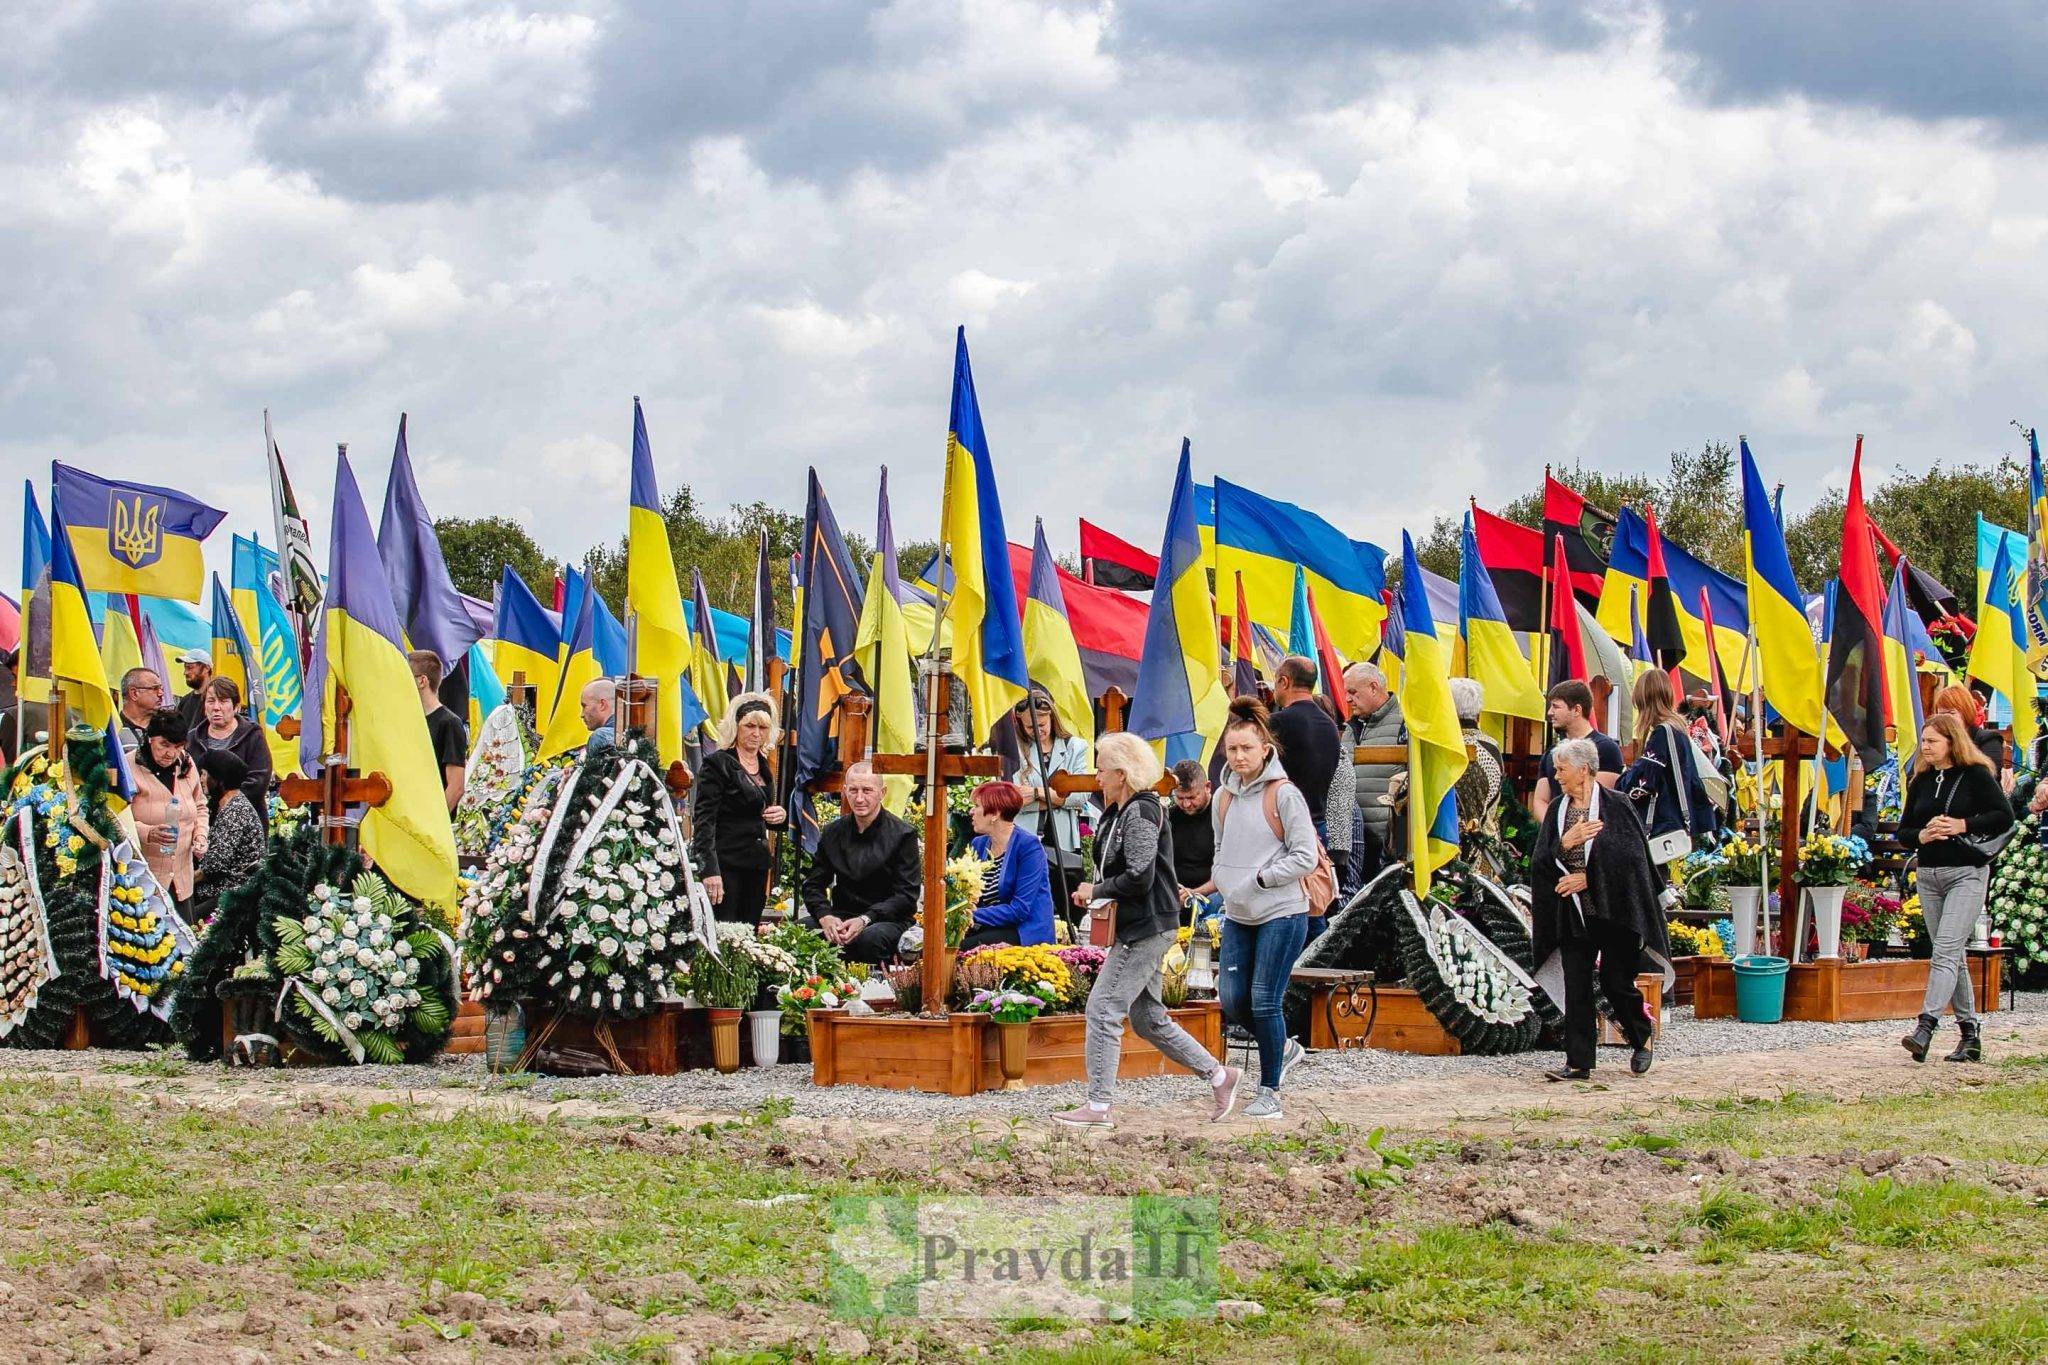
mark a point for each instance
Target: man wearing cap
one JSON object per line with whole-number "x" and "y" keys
{"x": 198, "y": 665}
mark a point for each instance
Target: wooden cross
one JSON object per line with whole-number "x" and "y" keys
{"x": 937, "y": 959}
{"x": 1791, "y": 748}
{"x": 338, "y": 786}
{"x": 634, "y": 707}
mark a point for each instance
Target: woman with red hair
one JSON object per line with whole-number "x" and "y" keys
{"x": 1016, "y": 898}
{"x": 1968, "y": 707}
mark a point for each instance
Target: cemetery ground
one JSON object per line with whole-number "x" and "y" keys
{"x": 1722, "y": 1208}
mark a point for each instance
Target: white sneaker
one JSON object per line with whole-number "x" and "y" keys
{"x": 1264, "y": 1105}
{"x": 1289, "y": 1055}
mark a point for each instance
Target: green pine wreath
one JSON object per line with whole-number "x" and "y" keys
{"x": 276, "y": 887}
{"x": 1477, "y": 1036}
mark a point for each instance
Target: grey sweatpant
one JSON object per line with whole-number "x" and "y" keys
{"x": 1128, "y": 987}
{"x": 1951, "y": 898}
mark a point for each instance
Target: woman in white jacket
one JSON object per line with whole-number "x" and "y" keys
{"x": 1265, "y": 846}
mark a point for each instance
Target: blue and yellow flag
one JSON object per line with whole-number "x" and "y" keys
{"x": 233, "y": 659}
{"x": 1050, "y": 651}
{"x": 486, "y": 690}
{"x": 882, "y": 646}
{"x": 565, "y": 730}
{"x": 1794, "y": 682}
{"x": 1990, "y": 537}
{"x": 1901, "y": 678}
{"x": 265, "y": 625}
{"x": 133, "y": 537}
{"x": 32, "y": 663}
{"x": 525, "y": 641}
{"x": 1628, "y": 570}
{"x": 362, "y": 648}
{"x": 1493, "y": 656}
{"x": 1998, "y": 655}
{"x": 1436, "y": 742}
{"x": 707, "y": 660}
{"x": 2034, "y": 582}
{"x": 1180, "y": 697}
{"x": 74, "y": 654}
{"x": 988, "y": 633}
{"x": 654, "y": 601}
{"x": 1265, "y": 540}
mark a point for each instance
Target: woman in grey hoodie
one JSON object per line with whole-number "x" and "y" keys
{"x": 1265, "y": 845}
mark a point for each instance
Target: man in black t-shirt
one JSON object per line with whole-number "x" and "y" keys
{"x": 1194, "y": 838}
{"x": 1307, "y": 738}
{"x": 444, "y": 727}
{"x": 1571, "y": 716}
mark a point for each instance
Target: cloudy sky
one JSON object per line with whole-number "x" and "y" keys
{"x": 1371, "y": 257}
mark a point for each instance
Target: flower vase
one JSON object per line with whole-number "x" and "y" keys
{"x": 1015, "y": 1042}
{"x": 1896, "y": 938}
{"x": 504, "y": 1038}
{"x": 1744, "y": 903}
{"x": 725, "y": 1039}
{"x": 765, "y": 1032}
{"x": 1980, "y": 937}
{"x": 1827, "y": 918}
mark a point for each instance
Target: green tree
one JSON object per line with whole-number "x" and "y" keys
{"x": 723, "y": 549}
{"x": 478, "y": 549}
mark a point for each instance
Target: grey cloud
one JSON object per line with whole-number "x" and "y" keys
{"x": 1980, "y": 59}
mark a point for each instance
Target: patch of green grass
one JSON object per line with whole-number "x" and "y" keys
{"x": 1645, "y": 1142}
{"x": 1929, "y": 1215}
{"x": 158, "y": 1061}
{"x": 1997, "y": 1121}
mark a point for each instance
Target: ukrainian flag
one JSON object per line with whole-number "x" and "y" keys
{"x": 881, "y": 647}
{"x": 362, "y": 648}
{"x": 526, "y": 640}
{"x": 232, "y": 657}
{"x": 707, "y": 664}
{"x": 1628, "y": 571}
{"x": 566, "y": 731}
{"x": 654, "y": 602}
{"x": 265, "y": 624}
{"x": 486, "y": 690}
{"x": 1436, "y": 742}
{"x": 74, "y": 653}
{"x": 607, "y": 644}
{"x": 1793, "y": 680}
{"x": 31, "y": 685}
{"x": 1990, "y": 538}
{"x": 1180, "y": 697}
{"x": 1049, "y": 648}
{"x": 133, "y": 537}
{"x": 2034, "y": 594}
{"x": 1998, "y": 656}
{"x": 988, "y": 637}
{"x": 1493, "y": 656}
{"x": 1901, "y": 682}
{"x": 1265, "y": 540}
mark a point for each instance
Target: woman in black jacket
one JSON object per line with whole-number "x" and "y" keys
{"x": 732, "y": 811}
{"x": 1664, "y": 783}
{"x": 1134, "y": 867}
{"x": 1594, "y": 893}
{"x": 1952, "y": 805}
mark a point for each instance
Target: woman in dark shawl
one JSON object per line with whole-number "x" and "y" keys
{"x": 1596, "y": 894}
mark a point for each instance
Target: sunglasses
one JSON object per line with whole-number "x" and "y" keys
{"x": 1043, "y": 707}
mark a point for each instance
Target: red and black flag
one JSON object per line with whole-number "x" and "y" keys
{"x": 1109, "y": 562}
{"x": 1567, "y": 641}
{"x": 1660, "y": 621}
{"x": 1244, "y": 673}
{"x": 1855, "y": 684}
{"x": 1513, "y": 556}
{"x": 1586, "y": 534}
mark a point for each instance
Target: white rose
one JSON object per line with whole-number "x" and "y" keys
{"x": 600, "y": 915}
{"x": 607, "y": 945}
{"x": 358, "y": 989}
{"x": 366, "y": 956}
{"x": 361, "y": 907}
{"x": 352, "y": 1020}
{"x": 320, "y": 975}
{"x": 331, "y": 995}
{"x": 330, "y": 957}
{"x": 378, "y": 938}
{"x": 640, "y": 927}
{"x": 657, "y": 941}
{"x": 311, "y": 923}
{"x": 402, "y": 948}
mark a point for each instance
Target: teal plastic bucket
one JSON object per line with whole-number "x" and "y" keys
{"x": 1760, "y": 989}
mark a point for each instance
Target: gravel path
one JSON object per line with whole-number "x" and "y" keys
{"x": 1320, "y": 1074}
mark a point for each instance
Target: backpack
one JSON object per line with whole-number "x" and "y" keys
{"x": 1319, "y": 884}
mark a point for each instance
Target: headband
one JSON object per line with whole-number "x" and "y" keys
{"x": 747, "y": 708}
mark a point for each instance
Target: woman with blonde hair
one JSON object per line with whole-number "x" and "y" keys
{"x": 1957, "y": 819}
{"x": 1135, "y": 888}
{"x": 732, "y": 808}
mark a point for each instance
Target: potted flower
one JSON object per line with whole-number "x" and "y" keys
{"x": 1013, "y": 1011}
{"x": 773, "y": 965}
{"x": 723, "y": 983}
{"x": 1868, "y": 917}
{"x": 1748, "y": 870}
{"x": 1828, "y": 863}
{"x": 813, "y": 991}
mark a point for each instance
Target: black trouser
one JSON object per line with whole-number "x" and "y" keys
{"x": 746, "y": 895}
{"x": 1619, "y": 951}
{"x": 875, "y": 945}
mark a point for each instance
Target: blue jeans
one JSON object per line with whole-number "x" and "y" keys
{"x": 1257, "y": 959}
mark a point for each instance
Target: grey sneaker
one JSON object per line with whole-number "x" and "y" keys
{"x": 1084, "y": 1116}
{"x": 1264, "y": 1105}
{"x": 1289, "y": 1055}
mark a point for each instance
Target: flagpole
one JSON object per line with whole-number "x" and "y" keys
{"x": 1763, "y": 810}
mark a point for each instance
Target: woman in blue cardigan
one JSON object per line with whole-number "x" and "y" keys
{"x": 1016, "y": 900}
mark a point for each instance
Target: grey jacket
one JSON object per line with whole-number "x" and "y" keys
{"x": 1258, "y": 875}
{"x": 1382, "y": 727}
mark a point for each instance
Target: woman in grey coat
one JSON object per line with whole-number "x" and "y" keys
{"x": 1265, "y": 845}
